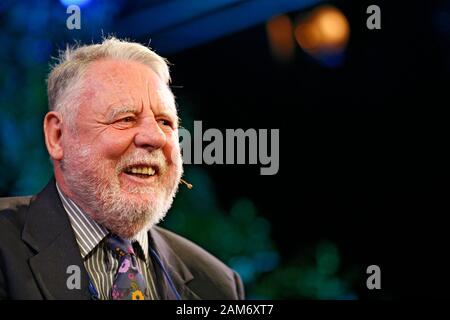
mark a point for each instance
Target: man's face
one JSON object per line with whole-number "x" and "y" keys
{"x": 123, "y": 163}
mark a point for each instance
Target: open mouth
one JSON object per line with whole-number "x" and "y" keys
{"x": 141, "y": 171}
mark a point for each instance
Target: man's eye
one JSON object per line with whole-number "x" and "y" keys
{"x": 127, "y": 119}
{"x": 125, "y": 122}
{"x": 165, "y": 122}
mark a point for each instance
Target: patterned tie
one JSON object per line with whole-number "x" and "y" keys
{"x": 129, "y": 283}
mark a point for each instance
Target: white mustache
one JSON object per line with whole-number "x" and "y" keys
{"x": 154, "y": 159}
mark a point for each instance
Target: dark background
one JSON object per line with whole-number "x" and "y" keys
{"x": 363, "y": 159}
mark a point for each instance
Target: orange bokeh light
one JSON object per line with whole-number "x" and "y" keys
{"x": 325, "y": 30}
{"x": 280, "y": 34}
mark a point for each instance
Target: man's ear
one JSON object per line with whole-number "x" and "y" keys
{"x": 53, "y": 134}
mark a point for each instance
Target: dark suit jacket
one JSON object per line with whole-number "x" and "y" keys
{"x": 37, "y": 244}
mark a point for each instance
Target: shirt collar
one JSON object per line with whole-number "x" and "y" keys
{"x": 89, "y": 233}
{"x": 142, "y": 239}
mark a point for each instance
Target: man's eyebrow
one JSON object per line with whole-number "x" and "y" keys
{"x": 113, "y": 113}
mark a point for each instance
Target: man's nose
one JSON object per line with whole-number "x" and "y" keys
{"x": 150, "y": 135}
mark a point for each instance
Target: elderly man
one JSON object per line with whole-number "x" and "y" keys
{"x": 112, "y": 135}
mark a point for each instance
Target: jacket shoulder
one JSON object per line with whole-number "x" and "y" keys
{"x": 13, "y": 211}
{"x": 13, "y": 203}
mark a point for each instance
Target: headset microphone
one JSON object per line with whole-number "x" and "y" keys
{"x": 186, "y": 183}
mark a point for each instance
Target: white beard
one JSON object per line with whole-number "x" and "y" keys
{"x": 123, "y": 212}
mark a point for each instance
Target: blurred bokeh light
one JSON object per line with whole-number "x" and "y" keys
{"x": 280, "y": 35}
{"x": 323, "y": 32}
{"x": 75, "y": 2}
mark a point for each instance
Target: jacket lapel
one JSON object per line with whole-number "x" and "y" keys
{"x": 178, "y": 271}
{"x": 48, "y": 231}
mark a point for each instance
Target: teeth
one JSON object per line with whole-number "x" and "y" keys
{"x": 148, "y": 170}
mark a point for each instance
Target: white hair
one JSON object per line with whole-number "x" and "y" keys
{"x": 64, "y": 85}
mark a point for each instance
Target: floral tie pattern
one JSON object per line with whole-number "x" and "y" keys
{"x": 129, "y": 283}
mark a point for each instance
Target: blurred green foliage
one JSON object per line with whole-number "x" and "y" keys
{"x": 242, "y": 239}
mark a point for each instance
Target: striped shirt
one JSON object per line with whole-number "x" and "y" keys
{"x": 99, "y": 260}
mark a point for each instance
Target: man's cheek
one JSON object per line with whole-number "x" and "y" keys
{"x": 172, "y": 154}
{"x": 115, "y": 145}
